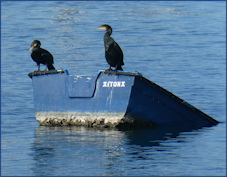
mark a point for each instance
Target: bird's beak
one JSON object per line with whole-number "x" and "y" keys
{"x": 31, "y": 48}
{"x": 101, "y": 28}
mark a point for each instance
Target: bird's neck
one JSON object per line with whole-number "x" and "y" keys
{"x": 107, "y": 35}
{"x": 109, "y": 31}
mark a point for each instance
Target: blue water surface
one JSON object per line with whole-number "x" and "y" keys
{"x": 180, "y": 45}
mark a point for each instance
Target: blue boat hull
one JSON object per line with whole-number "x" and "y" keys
{"x": 109, "y": 99}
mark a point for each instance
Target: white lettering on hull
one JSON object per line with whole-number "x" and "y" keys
{"x": 113, "y": 84}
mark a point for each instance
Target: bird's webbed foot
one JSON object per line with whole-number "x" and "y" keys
{"x": 38, "y": 69}
{"x": 109, "y": 69}
{"x": 37, "y": 72}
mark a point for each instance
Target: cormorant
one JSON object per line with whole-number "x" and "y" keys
{"x": 113, "y": 53}
{"x": 40, "y": 55}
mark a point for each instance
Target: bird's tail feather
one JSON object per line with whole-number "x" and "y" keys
{"x": 51, "y": 67}
{"x": 119, "y": 68}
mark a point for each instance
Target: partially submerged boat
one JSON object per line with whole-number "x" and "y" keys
{"x": 110, "y": 99}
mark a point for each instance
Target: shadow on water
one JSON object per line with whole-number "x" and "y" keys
{"x": 75, "y": 148}
{"x": 153, "y": 136}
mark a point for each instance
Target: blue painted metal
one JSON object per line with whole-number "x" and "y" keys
{"x": 133, "y": 97}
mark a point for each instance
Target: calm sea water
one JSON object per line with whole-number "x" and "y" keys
{"x": 179, "y": 45}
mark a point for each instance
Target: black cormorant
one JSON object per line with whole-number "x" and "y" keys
{"x": 40, "y": 55}
{"x": 113, "y": 53}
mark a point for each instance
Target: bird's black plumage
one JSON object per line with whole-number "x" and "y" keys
{"x": 113, "y": 53}
{"x": 40, "y": 55}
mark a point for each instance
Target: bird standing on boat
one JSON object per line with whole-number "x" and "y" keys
{"x": 40, "y": 55}
{"x": 113, "y": 53}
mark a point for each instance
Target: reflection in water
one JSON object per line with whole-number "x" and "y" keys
{"x": 58, "y": 148}
{"x": 69, "y": 150}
